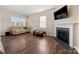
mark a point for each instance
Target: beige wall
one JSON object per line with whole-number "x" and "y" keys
{"x": 72, "y": 15}
{"x": 51, "y": 23}
{"x": 77, "y": 33}
{"x": 34, "y": 20}
{"x": 5, "y": 18}
{"x": 0, "y": 24}
{"x": 76, "y": 36}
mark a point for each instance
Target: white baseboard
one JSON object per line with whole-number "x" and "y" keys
{"x": 50, "y": 34}
{"x": 77, "y": 48}
{"x": 1, "y": 34}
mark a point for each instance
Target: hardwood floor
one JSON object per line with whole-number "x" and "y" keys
{"x": 29, "y": 44}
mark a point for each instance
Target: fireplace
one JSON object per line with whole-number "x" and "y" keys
{"x": 63, "y": 34}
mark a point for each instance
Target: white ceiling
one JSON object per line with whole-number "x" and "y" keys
{"x": 26, "y": 9}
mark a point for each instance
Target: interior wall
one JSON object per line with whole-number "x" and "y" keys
{"x": 5, "y": 18}
{"x": 73, "y": 10}
{"x": 72, "y": 19}
{"x": 0, "y": 24}
{"x": 76, "y": 36}
{"x": 34, "y": 21}
{"x": 72, "y": 15}
{"x": 77, "y": 33}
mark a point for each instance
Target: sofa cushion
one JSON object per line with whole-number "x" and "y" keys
{"x": 19, "y": 30}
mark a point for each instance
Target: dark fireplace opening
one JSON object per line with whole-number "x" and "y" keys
{"x": 63, "y": 34}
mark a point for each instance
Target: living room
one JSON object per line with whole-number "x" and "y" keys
{"x": 16, "y": 20}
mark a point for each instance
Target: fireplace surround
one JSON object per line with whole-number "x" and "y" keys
{"x": 69, "y": 27}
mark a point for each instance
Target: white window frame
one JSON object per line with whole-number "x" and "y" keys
{"x": 43, "y": 22}
{"x": 18, "y": 21}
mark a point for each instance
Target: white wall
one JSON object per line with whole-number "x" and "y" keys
{"x": 6, "y": 19}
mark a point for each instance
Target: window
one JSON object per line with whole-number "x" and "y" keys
{"x": 43, "y": 22}
{"x": 17, "y": 21}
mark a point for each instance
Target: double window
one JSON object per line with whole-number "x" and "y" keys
{"x": 18, "y": 21}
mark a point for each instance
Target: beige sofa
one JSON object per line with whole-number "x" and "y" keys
{"x": 19, "y": 30}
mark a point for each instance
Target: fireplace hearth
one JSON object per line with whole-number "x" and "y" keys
{"x": 63, "y": 34}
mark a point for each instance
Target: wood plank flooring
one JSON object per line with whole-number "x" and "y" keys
{"x": 29, "y": 44}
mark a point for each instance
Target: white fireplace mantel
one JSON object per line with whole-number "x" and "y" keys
{"x": 71, "y": 30}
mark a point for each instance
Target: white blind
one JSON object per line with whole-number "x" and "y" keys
{"x": 43, "y": 22}
{"x": 17, "y": 21}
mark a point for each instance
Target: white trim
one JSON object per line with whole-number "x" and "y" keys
{"x": 50, "y": 34}
{"x": 77, "y": 48}
{"x": 70, "y": 26}
{"x": 2, "y": 34}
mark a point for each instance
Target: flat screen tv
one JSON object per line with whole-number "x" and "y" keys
{"x": 61, "y": 13}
